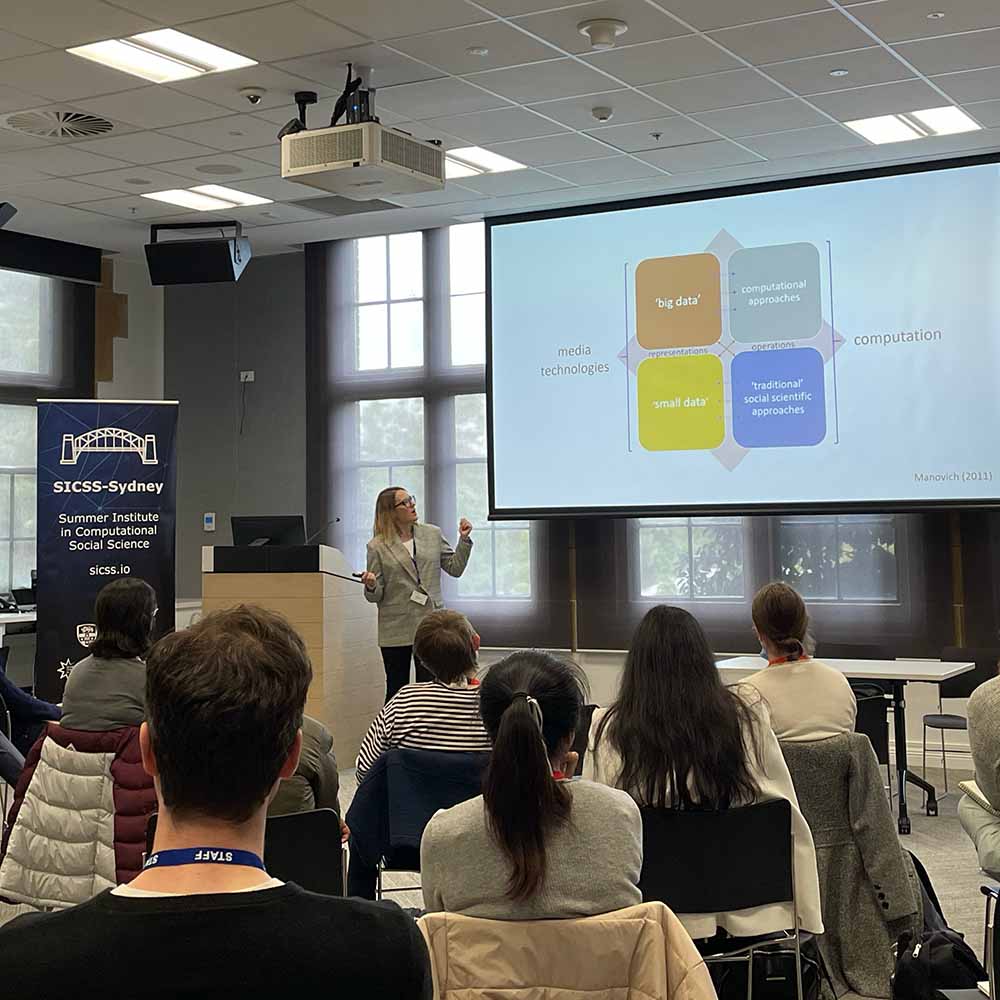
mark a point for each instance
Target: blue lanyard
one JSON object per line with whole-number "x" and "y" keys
{"x": 203, "y": 856}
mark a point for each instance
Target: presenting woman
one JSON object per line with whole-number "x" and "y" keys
{"x": 403, "y": 578}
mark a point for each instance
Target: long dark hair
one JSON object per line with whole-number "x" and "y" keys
{"x": 523, "y": 802}
{"x": 125, "y": 612}
{"x": 678, "y": 729}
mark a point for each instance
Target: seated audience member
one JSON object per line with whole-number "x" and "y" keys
{"x": 980, "y": 814}
{"x": 11, "y": 763}
{"x": 442, "y": 714}
{"x": 535, "y": 844}
{"x": 316, "y": 781}
{"x": 807, "y": 699}
{"x": 28, "y": 714}
{"x": 678, "y": 738}
{"x": 107, "y": 689}
{"x": 225, "y": 700}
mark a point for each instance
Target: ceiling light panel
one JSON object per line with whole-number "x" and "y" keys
{"x": 453, "y": 169}
{"x": 231, "y": 195}
{"x": 488, "y": 162}
{"x": 945, "y": 121}
{"x": 213, "y": 58}
{"x": 189, "y": 199}
{"x": 885, "y": 128}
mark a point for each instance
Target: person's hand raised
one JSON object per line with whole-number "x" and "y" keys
{"x": 465, "y": 527}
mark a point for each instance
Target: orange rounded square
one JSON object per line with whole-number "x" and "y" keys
{"x": 678, "y": 301}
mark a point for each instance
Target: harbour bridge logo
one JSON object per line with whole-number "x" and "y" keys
{"x": 105, "y": 440}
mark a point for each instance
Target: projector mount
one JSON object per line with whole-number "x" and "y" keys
{"x": 356, "y": 102}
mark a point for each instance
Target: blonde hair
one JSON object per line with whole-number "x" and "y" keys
{"x": 779, "y": 615}
{"x": 385, "y": 524}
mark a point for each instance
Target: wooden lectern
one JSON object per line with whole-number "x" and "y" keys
{"x": 337, "y": 624}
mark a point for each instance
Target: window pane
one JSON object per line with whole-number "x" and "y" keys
{"x": 407, "y": 335}
{"x": 664, "y": 561}
{"x": 477, "y": 580}
{"x": 468, "y": 330}
{"x": 373, "y": 339}
{"x": 471, "y": 493}
{"x": 4, "y": 508}
{"x": 5, "y": 567}
{"x": 717, "y": 557}
{"x": 867, "y": 563}
{"x": 17, "y": 437}
{"x": 808, "y": 557}
{"x": 411, "y": 478}
{"x": 24, "y": 563}
{"x": 513, "y": 562}
{"x": 391, "y": 429}
{"x": 467, "y": 251}
{"x": 406, "y": 265}
{"x": 20, "y": 322}
{"x": 24, "y": 506}
{"x": 470, "y": 426}
{"x": 371, "y": 482}
{"x": 371, "y": 269}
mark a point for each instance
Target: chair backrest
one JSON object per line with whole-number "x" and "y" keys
{"x": 718, "y": 862}
{"x": 872, "y": 719}
{"x": 303, "y": 848}
{"x": 985, "y": 659}
{"x": 582, "y": 735}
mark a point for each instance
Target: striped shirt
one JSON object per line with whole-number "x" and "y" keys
{"x": 426, "y": 716}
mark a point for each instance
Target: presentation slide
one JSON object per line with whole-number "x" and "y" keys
{"x": 826, "y": 344}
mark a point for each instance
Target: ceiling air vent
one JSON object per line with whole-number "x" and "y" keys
{"x": 63, "y": 124}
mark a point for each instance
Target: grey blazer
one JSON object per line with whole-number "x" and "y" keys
{"x": 867, "y": 882}
{"x": 396, "y": 579}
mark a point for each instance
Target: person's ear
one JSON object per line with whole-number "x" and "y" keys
{"x": 146, "y": 750}
{"x": 292, "y": 760}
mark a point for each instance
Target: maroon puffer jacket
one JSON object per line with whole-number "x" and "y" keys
{"x": 135, "y": 799}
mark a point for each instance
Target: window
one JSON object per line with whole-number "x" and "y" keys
{"x": 502, "y": 566}
{"x": 22, "y": 299}
{"x": 17, "y": 495}
{"x": 846, "y": 557}
{"x": 467, "y": 269}
{"x": 389, "y": 288}
{"x": 691, "y": 558}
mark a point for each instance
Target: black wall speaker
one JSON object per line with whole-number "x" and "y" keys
{"x": 189, "y": 262}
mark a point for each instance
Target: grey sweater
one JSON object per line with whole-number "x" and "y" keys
{"x": 984, "y": 738}
{"x": 105, "y": 694}
{"x": 593, "y": 861}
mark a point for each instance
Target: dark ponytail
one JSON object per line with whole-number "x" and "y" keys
{"x": 779, "y": 614}
{"x": 530, "y": 703}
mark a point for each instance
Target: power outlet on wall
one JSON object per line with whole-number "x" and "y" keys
{"x": 248, "y": 376}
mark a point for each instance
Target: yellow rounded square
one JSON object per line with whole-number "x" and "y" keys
{"x": 681, "y": 403}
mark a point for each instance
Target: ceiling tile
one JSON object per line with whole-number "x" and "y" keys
{"x": 10, "y": 174}
{"x": 577, "y": 112}
{"x": 58, "y": 23}
{"x": 240, "y": 167}
{"x": 793, "y": 37}
{"x": 865, "y": 67}
{"x": 396, "y": 18}
{"x": 269, "y": 33}
{"x": 9, "y": 139}
{"x": 544, "y": 81}
{"x": 708, "y": 14}
{"x": 513, "y": 182}
{"x": 973, "y": 50}
{"x": 986, "y": 113}
{"x": 143, "y": 147}
{"x": 330, "y": 68}
{"x": 674, "y": 131}
{"x": 699, "y": 156}
{"x": 865, "y": 102}
{"x": 231, "y": 132}
{"x": 270, "y": 153}
{"x": 12, "y": 99}
{"x": 448, "y": 50}
{"x": 59, "y": 76}
{"x": 61, "y": 161}
{"x": 59, "y": 191}
{"x": 754, "y": 119}
{"x": 902, "y": 20}
{"x": 224, "y": 88}
{"x": 645, "y": 23}
{"x": 178, "y": 11}
{"x": 495, "y": 126}
{"x": 655, "y": 62}
{"x": 977, "y": 85}
{"x": 127, "y": 180}
{"x": 438, "y": 97}
{"x": 134, "y": 209}
{"x": 271, "y": 215}
{"x": 803, "y": 142}
{"x": 719, "y": 90}
{"x": 552, "y": 149}
{"x": 604, "y": 171}
{"x": 278, "y": 189}
{"x": 451, "y": 194}
{"x": 512, "y": 8}
{"x": 14, "y": 45}
{"x": 153, "y": 107}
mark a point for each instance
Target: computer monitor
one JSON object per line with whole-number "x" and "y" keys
{"x": 274, "y": 529}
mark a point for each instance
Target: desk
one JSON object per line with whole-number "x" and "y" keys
{"x": 897, "y": 672}
{"x": 15, "y": 618}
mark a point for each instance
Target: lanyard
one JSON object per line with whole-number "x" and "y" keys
{"x": 203, "y": 856}
{"x": 416, "y": 568}
{"x": 787, "y": 659}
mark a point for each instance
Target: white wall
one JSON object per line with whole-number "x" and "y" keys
{"x": 139, "y": 357}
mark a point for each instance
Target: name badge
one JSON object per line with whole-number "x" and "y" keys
{"x": 419, "y": 598}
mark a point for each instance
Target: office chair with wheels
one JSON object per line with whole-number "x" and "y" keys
{"x": 720, "y": 862}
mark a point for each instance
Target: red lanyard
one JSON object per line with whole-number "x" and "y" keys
{"x": 787, "y": 659}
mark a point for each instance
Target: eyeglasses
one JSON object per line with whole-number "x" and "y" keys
{"x": 410, "y": 501}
